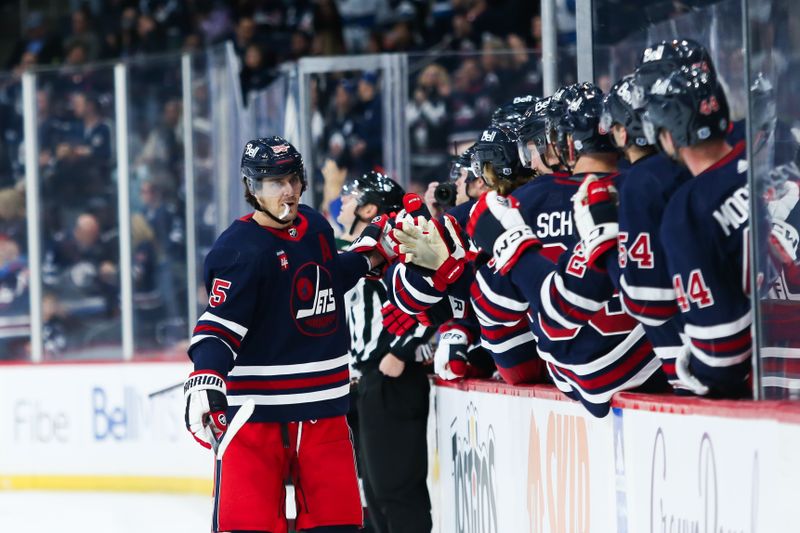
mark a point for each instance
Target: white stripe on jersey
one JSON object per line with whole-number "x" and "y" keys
{"x": 720, "y": 330}
{"x": 670, "y": 352}
{"x": 719, "y": 361}
{"x": 646, "y": 320}
{"x": 576, "y": 299}
{"x": 416, "y": 294}
{"x": 289, "y": 399}
{"x": 233, "y": 326}
{"x": 285, "y": 370}
{"x": 549, "y": 309}
{"x": 640, "y": 377}
{"x": 198, "y": 338}
{"x": 647, "y": 294}
{"x": 605, "y": 361}
{"x": 498, "y": 299}
{"x": 502, "y": 347}
{"x": 486, "y": 321}
{"x": 780, "y": 353}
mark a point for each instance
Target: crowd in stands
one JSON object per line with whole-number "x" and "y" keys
{"x": 453, "y": 95}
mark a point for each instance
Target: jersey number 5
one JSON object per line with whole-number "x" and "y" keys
{"x": 698, "y": 293}
{"x": 218, "y": 294}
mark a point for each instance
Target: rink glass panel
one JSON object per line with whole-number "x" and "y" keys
{"x": 158, "y": 202}
{"x": 14, "y": 268}
{"x": 79, "y": 213}
{"x": 773, "y": 133}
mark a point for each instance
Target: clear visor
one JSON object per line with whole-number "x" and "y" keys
{"x": 476, "y": 166}
{"x": 638, "y": 97}
{"x": 276, "y": 186}
{"x": 606, "y": 121}
{"x": 649, "y": 129}
{"x": 455, "y": 171}
{"x": 526, "y": 151}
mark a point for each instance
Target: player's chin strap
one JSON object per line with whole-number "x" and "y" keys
{"x": 273, "y": 217}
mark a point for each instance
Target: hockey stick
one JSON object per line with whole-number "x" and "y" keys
{"x": 239, "y": 419}
{"x": 165, "y": 390}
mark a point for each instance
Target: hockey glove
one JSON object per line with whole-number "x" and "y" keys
{"x": 595, "y": 206}
{"x": 206, "y": 404}
{"x": 433, "y": 246}
{"x": 396, "y": 321}
{"x": 376, "y": 237}
{"x": 450, "y": 358}
{"x": 496, "y": 226}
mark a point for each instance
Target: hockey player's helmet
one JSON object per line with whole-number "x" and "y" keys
{"x": 690, "y": 104}
{"x": 581, "y": 121}
{"x": 661, "y": 59}
{"x": 378, "y": 189}
{"x": 533, "y": 129}
{"x": 270, "y": 157}
{"x": 618, "y": 109}
{"x": 498, "y": 147}
{"x": 509, "y": 115}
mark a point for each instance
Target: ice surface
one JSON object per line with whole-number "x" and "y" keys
{"x": 95, "y": 512}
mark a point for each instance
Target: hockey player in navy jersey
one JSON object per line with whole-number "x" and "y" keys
{"x": 590, "y": 352}
{"x": 274, "y": 333}
{"x": 705, "y": 231}
{"x": 636, "y": 266}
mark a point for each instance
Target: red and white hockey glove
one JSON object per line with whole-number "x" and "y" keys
{"x": 435, "y": 247}
{"x": 450, "y": 358}
{"x": 376, "y": 238}
{"x": 595, "y": 206}
{"x": 496, "y": 227}
{"x": 206, "y": 404}
{"x": 395, "y": 320}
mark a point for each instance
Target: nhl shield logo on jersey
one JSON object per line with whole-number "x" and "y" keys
{"x": 313, "y": 304}
{"x": 293, "y": 232}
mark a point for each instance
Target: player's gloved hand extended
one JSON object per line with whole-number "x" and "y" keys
{"x": 435, "y": 247}
{"x": 206, "y": 404}
{"x": 595, "y": 206}
{"x": 376, "y": 237}
{"x": 496, "y": 227}
{"x": 450, "y": 358}
{"x": 397, "y": 322}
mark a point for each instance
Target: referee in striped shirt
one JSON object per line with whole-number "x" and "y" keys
{"x": 393, "y": 387}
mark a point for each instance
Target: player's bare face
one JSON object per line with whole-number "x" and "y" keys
{"x": 461, "y": 186}
{"x": 280, "y": 196}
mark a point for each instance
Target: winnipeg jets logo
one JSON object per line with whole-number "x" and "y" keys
{"x": 488, "y": 136}
{"x": 313, "y": 303}
{"x": 250, "y": 150}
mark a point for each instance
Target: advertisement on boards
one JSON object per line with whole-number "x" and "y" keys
{"x": 509, "y": 463}
{"x": 97, "y": 419}
{"x": 699, "y": 473}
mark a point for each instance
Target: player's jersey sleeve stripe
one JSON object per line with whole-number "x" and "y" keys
{"x": 214, "y": 330}
{"x": 297, "y": 383}
{"x": 238, "y": 329}
{"x": 499, "y": 300}
{"x": 549, "y": 311}
{"x": 719, "y": 330}
{"x": 573, "y": 298}
{"x": 655, "y": 294}
{"x": 198, "y": 338}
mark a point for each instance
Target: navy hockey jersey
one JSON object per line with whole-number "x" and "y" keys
{"x": 591, "y": 349}
{"x": 639, "y": 269}
{"x": 275, "y": 322}
{"x": 705, "y": 238}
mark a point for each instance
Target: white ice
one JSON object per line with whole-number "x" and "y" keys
{"x": 95, "y": 512}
